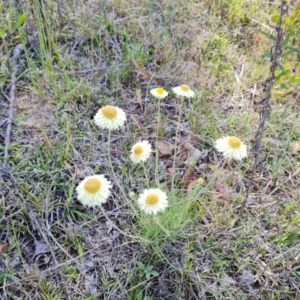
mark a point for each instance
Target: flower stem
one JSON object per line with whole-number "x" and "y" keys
{"x": 156, "y": 151}
{"x": 146, "y": 174}
{"x": 175, "y": 148}
{"x": 163, "y": 228}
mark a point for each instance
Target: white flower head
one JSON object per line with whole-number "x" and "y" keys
{"x": 110, "y": 117}
{"x": 140, "y": 152}
{"x": 184, "y": 91}
{"x": 94, "y": 190}
{"x": 231, "y": 147}
{"x": 152, "y": 201}
{"x": 159, "y": 93}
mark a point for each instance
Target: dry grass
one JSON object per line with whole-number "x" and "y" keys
{"x": 78, "y": 57}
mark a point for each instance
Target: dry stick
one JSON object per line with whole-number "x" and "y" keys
{"x": 265, "y": 102}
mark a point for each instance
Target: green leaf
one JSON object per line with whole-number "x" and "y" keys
{"x": 296, "y": 50}
{"x": 154, "y": 273}
{"x": 282, "y": 75}
{"x": 287, "y": 53}
{"x": 268, "y": 35}
{"x": 267, "y": 54}
{"x": 287, "y": 20}
{"x": 288, "y": 37}
{"x": 72, "y": 270}
{"x": 281, "y": 67}
{"x": 295, "y": 78}
{"x": 21, "y": 20}
{"x": 275, "y": 18}
{"x": 2, "y": 33}
{"x": 148, "y": 269}
{"x": 296, "y": 219}
{"x": 288, "y": 238}
{"x": 284, "y": 86}
{"x": 141, "y": 266}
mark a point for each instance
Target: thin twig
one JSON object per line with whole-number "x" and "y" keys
{"x": 265, "y": 102}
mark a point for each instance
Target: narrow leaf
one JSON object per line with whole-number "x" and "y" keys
{"x": 21, "y": 19}
{"x": 268, "y": 35}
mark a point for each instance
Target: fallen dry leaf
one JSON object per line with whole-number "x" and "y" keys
{"x": 146, "y": 73}
{"x": 3, "y": 247}
{"x": 138, "y": 93}
{"x": 160, "y": 127}
{"x": 47, "y": 140}
{"x": 219, "y": 190}
{"x": 188, "y": 177}
{"x": 204, "y": 166}
{"x": 77, "y": 171}
{"x": 165, "y": 148}
{"x": 170, "y": 170}
{"x": 220, "y": 187}
{"x": 190, "y": 186}
{"x": 295, "y": 147}
{"x": 143, "y": 72}
{"x": 135, "y": 121}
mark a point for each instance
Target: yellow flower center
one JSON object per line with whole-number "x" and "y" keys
{"x": 92, "y": 185}
{"x": 160, "y": 90}
{"x": 109, "y": 111}
{"x": 234, "y": 142}
{"x": 200, "y": 180}
{"x": 152, "y": 199}
{"x": 185, "y": 87}
{"x": 137, "y": 150}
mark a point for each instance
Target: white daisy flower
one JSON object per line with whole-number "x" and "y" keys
{"x": 152, "y": 201}
{"x": 93, "y": 190}
{"x": 184, "y": 91}
{"x": 231, "y": 147}
{"x": 159, "y": 93}
{"x": 140, "y": 152}
{"x": 110, "y": 117}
